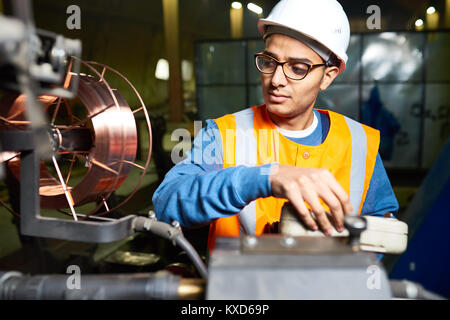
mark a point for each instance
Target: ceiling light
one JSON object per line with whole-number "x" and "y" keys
{"x": 162, "y": 70}
{"x": 419, "y": 22}
{"x": 187, "y": 70}
{"x": 431, "y": 10}
{"x": 253, "y": 7}
{"x": 236, "y": 5}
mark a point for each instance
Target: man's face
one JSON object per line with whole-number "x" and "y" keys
{"x": 287, "y": 99}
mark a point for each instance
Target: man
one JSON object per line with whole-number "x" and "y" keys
{"x": 255, "y": 160}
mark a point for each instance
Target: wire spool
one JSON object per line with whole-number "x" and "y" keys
{"x": 98, "y": 140}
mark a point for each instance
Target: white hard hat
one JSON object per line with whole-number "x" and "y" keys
{"x": 321, "y": 20}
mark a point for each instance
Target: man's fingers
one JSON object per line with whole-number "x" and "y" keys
{"x": 332, "y": 218}
{"x": 295, "y": 197}
{"x": 309, "y": 185}
{"x": 312, "y": 198}
{"x": 337, "y": 212}
{"x": 340, "y": 193}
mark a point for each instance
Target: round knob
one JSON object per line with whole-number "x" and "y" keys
{"x": 355, "y": 226}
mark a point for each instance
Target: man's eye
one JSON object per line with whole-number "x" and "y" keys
{"x": 298, "y": 68}
{"x": 268, "y": 63}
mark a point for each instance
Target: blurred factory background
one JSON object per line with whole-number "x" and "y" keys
{"x": 397, "y": 80}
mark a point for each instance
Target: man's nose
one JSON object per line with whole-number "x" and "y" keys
{"x": 278, "y": 77}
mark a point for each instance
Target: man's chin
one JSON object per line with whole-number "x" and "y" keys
{"x": 282, "y": 112}
{"x": 279, "y": 109}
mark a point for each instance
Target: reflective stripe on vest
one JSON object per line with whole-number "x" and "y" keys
{"x": 245, "y": 154}
{"x": 358, "y": 165}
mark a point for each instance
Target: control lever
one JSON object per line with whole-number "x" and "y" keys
{"x": 355, "y": 226}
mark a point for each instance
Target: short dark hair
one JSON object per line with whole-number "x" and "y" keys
{"x": 333, "y": 60}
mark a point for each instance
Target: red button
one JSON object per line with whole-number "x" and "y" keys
{"x": 306, "y": 155}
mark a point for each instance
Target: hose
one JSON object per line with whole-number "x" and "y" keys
{"x": 184, "y": 244}
{"x": 173, "y": 234}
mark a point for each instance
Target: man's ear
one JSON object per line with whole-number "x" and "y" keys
{"x": 329, "y": 75}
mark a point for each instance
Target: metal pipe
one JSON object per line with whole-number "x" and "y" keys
{"x": 144, "y": 286}
{"x": 405, "y": 289}
{"x": 191, "y": 289}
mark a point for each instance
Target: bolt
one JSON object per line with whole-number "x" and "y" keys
{"x": 288, "y": 241}
{"x": 251, "y": 241}
{"x": 175, "y": 224}
{"x": 411, "y": 290}
{"x": 147, "y": 225}
{"x": 152, "y": 215}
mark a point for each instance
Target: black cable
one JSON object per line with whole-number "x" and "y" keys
{"x": 184, "y": 244}
{"x": 173, "y": 234}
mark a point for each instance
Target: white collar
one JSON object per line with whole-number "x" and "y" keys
{"x": 300, "y": 133}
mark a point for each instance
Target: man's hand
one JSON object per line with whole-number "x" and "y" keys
{"x": 307, "y": 184}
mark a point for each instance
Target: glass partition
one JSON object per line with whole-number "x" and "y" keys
{"x": 396, "y": 82}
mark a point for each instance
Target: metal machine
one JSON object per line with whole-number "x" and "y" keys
{"x": 56, "y": 119}
{"x": 276, "y": 266}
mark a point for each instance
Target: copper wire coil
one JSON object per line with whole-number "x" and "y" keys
{"x": 113, "y": 137}
{"x": 107, "y": 149}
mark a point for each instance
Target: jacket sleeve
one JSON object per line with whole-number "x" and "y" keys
{"x": 198, "y": 189}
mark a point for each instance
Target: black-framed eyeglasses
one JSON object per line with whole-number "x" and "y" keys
{"x": 294, "y": 70}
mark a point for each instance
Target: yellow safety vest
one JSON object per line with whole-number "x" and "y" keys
{"x": 250, "y": 138}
